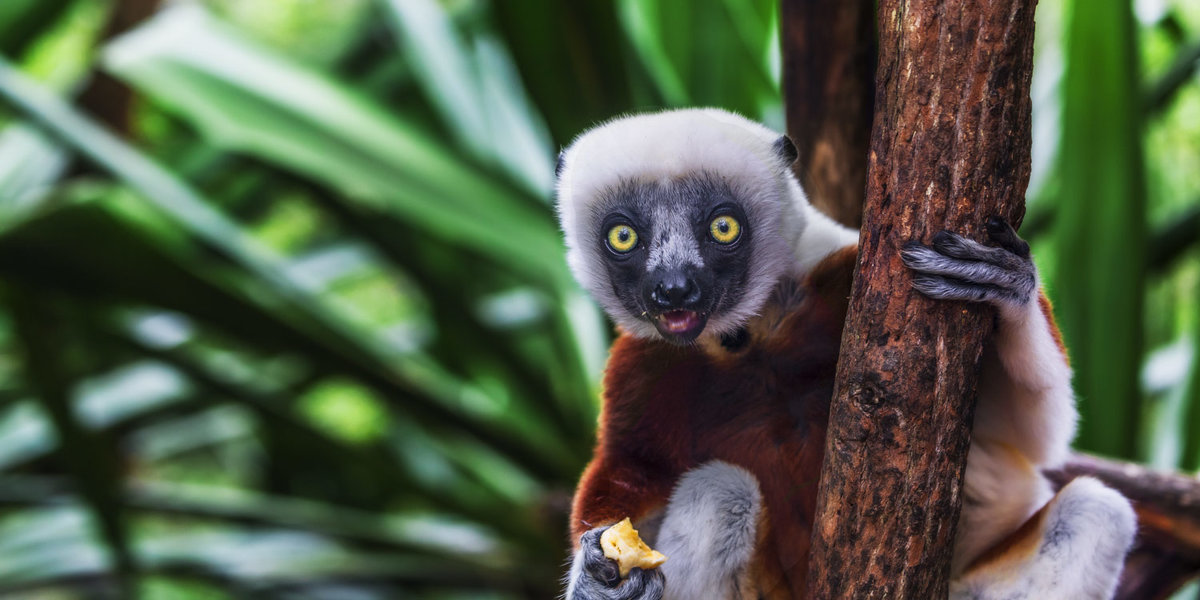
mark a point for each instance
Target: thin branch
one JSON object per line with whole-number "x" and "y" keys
{"x": 1165, "y": 244}
{"x": 829, "y": 55}
{"x": 1159, "y": 94}
{"x": 1167, "y": 552}
{"x": 1171, "y": 499}
{"x": 1037, "y": 222}
{"x": 1170, "y": 241}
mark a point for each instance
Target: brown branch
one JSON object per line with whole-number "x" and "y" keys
{"x": 828, "y": 85}
{"x": 950, "y": 147}
{"x": 1170, "y": 241}
{"x": 1167, "y": 242}
{"x": 1159, "y": 95}
{"x": 1167, "y": 551}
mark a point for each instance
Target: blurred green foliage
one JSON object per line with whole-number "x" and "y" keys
{"x": 301, "y": 327}
{"x": 1102, "y": 198}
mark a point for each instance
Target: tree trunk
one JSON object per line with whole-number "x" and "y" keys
{"x": 949, "y": 148}
{"x": 828, "y": 84}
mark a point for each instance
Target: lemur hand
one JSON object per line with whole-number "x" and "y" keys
{"x": 595, "y": 577}
{"x": 956, "y": 268}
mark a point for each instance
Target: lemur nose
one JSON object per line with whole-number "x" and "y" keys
{"x": 675, "y": 290}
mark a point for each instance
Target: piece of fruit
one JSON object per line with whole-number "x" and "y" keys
{"x": 622, "y": 543}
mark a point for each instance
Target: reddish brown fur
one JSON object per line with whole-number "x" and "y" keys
{"x": 668, "y": 409}
{"x": 1048, "y": 311}
{"x": 1017, "y": 546}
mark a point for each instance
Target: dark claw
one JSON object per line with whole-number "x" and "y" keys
{"x": 648, "y": 584}
{"x": 1003, "y": 234}
{"x": 605, "y": 572}
{"x": 600, "y": 567}
{"x": 943, "y": 238}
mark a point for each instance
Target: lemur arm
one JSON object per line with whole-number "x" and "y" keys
{"x": 611, "y": 489}
{"x": 1025, "y": 399}
{"x": 1015, "y": 534}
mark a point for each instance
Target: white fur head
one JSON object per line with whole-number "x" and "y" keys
{"x": 668, "y": 177}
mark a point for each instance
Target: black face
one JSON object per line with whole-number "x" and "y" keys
{"x": 677, "y": 253}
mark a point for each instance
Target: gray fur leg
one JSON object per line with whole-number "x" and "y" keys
{"x": 710, "y": 532}
{"x": 1079, "y": 555}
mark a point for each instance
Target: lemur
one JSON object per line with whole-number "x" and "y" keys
{"x": 730, "y": 291}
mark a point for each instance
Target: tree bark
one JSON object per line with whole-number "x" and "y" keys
{"x": 949, "y": 148}
{"x": 828, "y": 86}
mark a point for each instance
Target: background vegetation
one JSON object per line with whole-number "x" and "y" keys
{"x": 292, "y": 319}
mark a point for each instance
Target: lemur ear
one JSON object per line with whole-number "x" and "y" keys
{"x": 558, "y": 165}
{"x": 785, "y": 149}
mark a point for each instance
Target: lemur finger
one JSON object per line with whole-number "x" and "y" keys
{"x": 926, "y": 260}
{"x": 1002, "y": 233}
{"x": 644, "y": 585}
{"x": 639, "y": 585}
{"x": 947, "y": 288}
{"x": 602, "y": 568}
{"x": 956, "y": 246}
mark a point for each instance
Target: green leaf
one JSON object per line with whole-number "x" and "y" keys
{"x": 644, "y": 26}
{"x": 435, "y": 536}
{"x": 442, "y": 60}
{"x": 24, "y": 434}
{"x": 423, "y": 386}
{"x": 706, "y": 53}
{"x": 476, "y": 89}
{"x": 519, "y": 140}
{"x": 576, "y": 61}
{"x": 29, "y": 164}
{"x": 22, "y": 21}
{"x": 86, "y": 251}
{"x": 54, "y": 362}
{"x": 246, "y": 98}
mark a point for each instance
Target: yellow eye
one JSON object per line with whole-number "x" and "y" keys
{"x": 725, "y": 229}
{"x": 622, "y": 238}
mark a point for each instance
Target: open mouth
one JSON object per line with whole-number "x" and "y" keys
{"x": 680, "y": 325}
{"x": 679, "y": 321}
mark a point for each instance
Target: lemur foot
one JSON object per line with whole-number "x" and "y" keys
{"x": 956, "y": 268}
{"x": 1075, "y": 550}
{"x": 595, "y": 576}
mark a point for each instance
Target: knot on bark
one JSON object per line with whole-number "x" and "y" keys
{"x": 867, "y": 392}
